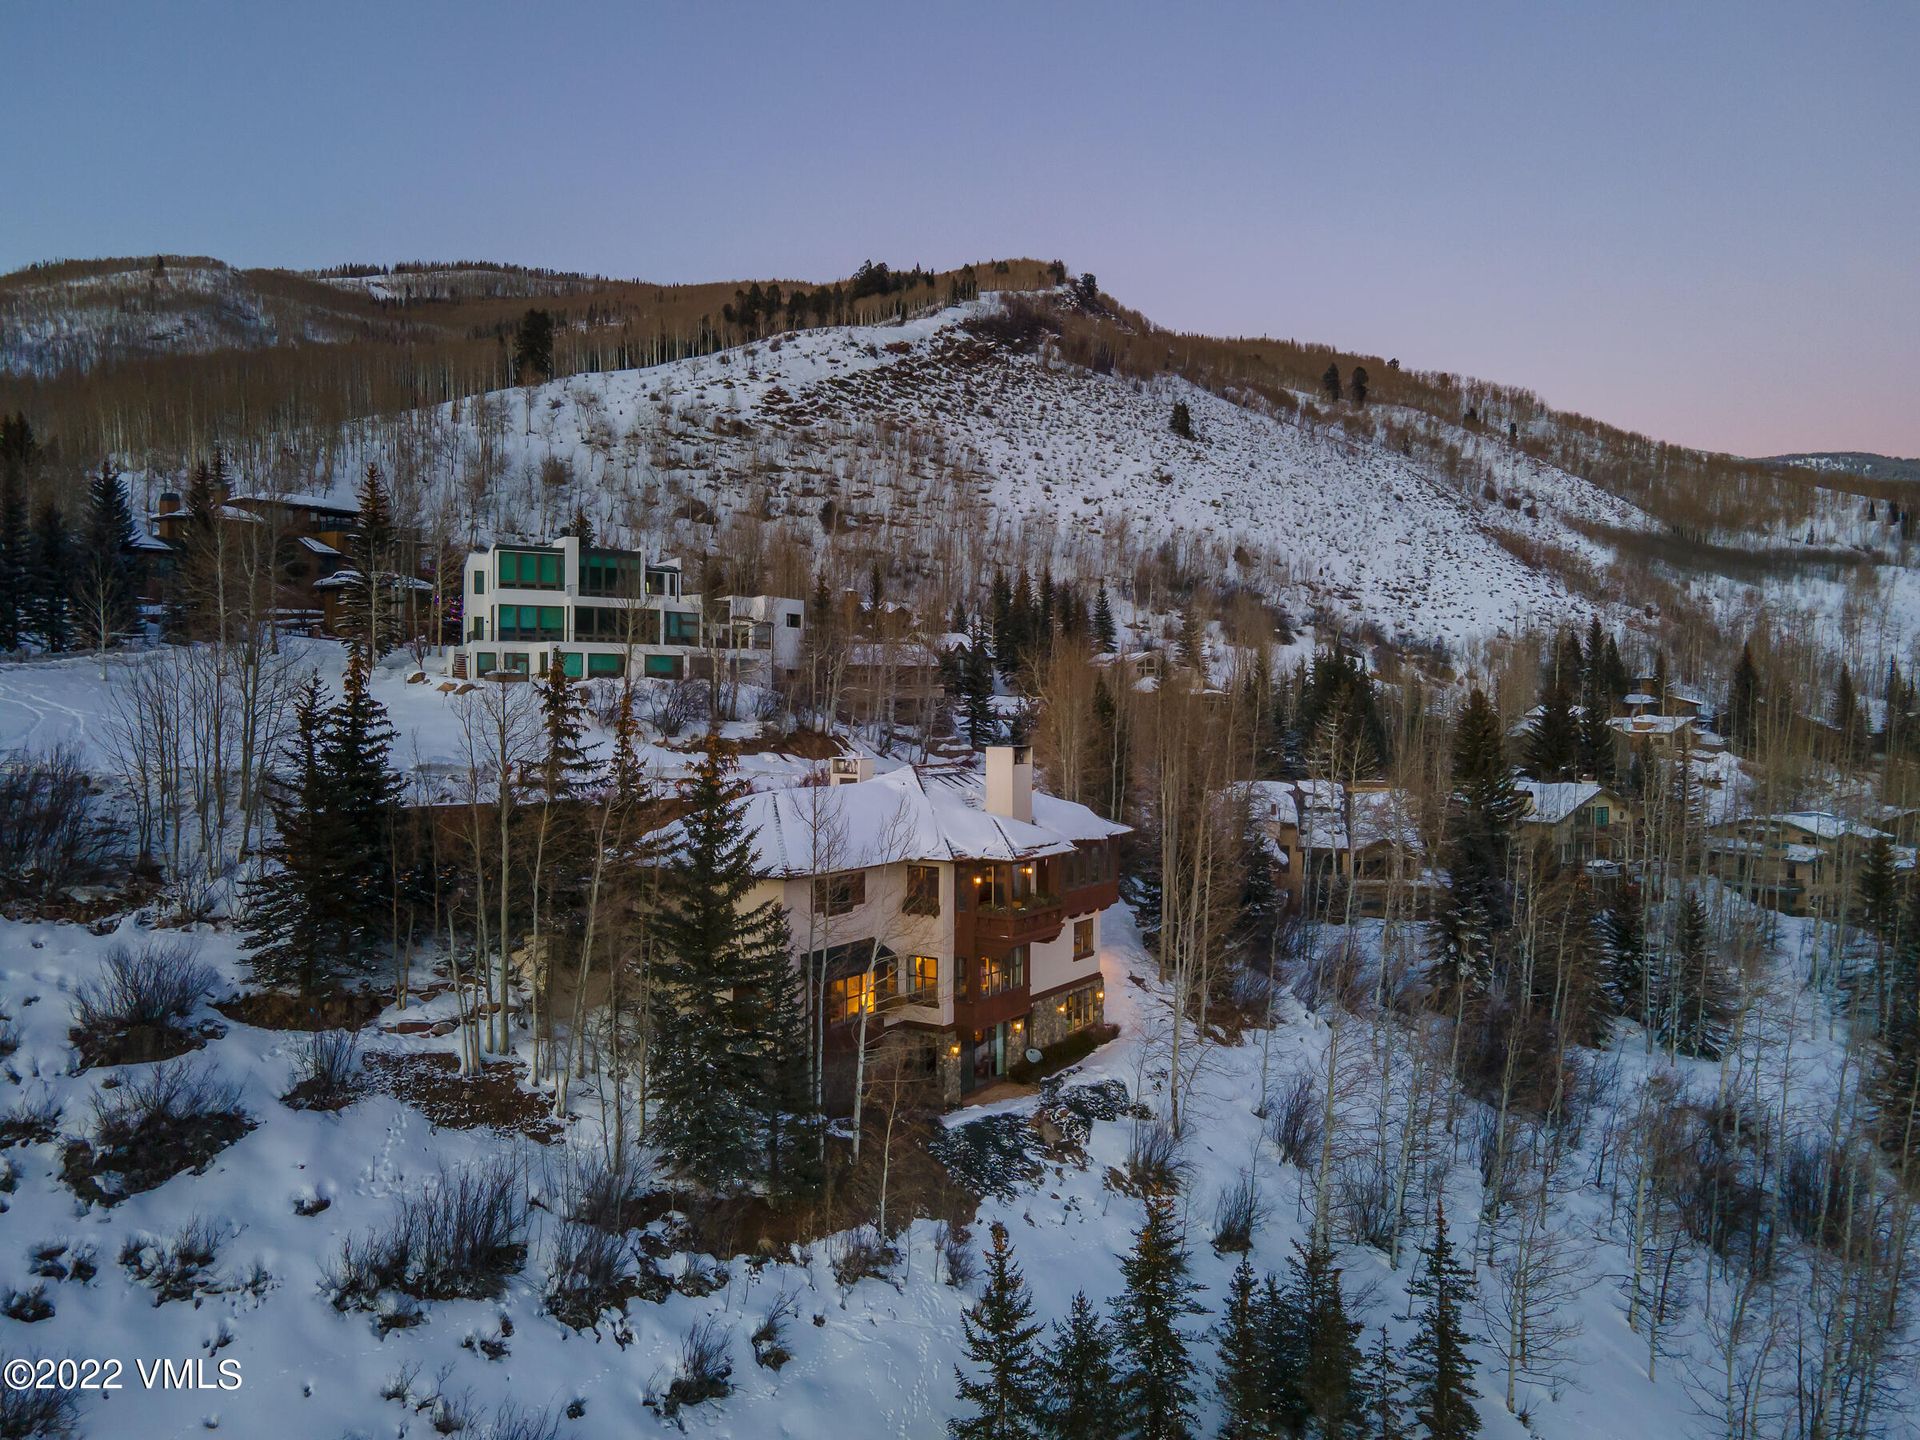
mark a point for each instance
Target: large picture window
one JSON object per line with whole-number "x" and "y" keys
{"x": 922, "y": 979}
{"x": 532, "y": 622}
{"x": 848, "y": 996}
{"x": 682, "y": 628}
{"x": 530, "y": 570}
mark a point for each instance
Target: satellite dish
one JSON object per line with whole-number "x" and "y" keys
{"x": 1034, "y": 1057}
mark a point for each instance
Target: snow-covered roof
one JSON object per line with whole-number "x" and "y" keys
{"x": 1378, "y": 815}
{"x": 341, "y": 579}
{"x": 913, "y": 813}
{"x": 317, "y": 546}
{"x": 1271, "y": 802}
{"x": 1640, "y": 697}
{"x": 1651, "y": 724}
{"x": 303, "y": 501}
{"x": 1826, "y": 825}
{"x": 1554, "y": 800}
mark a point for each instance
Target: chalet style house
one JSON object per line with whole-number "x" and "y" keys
{"x": 1580, "y": 821}
{"x": 959, "y": 910}
{"x": 600, "y": 610}
{"x": 1331, "y": 842}
{"x": 1802, "y": 862}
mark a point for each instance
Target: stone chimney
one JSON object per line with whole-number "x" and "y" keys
{"x": 849, "y": 769}
{"x": 1010, "y": 782}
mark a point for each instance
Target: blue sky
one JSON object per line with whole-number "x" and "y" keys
{"x": 1701, "y": 220}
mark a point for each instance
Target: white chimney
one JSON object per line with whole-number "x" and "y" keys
{"x": 849, "y": 769}
{"x": 1010, "y": 782}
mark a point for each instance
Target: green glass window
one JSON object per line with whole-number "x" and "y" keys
{"x": 682, "y": 628}
{"x": 530, "y": 570}
{"x": 486, "y": 662}
{"x": 570, "y": 663}
{"x": 479, "y": 582}
{"x": 665, "y": 666}
{"x": 606, "y": 664}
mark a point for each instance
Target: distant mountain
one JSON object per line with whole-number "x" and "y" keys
{"x": 1854, "y": 462}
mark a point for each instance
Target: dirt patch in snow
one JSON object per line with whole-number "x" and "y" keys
{"x": 431, "y": 1082}
{"x": 276, "y": 1010}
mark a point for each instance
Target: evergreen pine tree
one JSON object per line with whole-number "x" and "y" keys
{"x": 106, "y": 588}
{"x": 1879, "y": 888}
{"x": 1358, "y": 387}
{"x": 16, "y": 548}
{"x": 1316, "y": 1347}
{"x": 1896, "y": 1085}
{"x": 1625, "y": 950}
{"x": 195, "y": 600}
{"x": 1743, "y": 699}
{"x": 1377, "y": 1393}
{"x": 50, "y": 579}
{"x": 982, "y": 723}
{"x": 1615, "y": 672}
{"x": 1007, "y": 1395}
{"x": 1696, "y": 1008}
{"x": 362, "y": 791}
{"x": 1106, "y": 634}
{"x": 1193, "y": 640}
{"x": 1330, "y": 382}
{"x": 1479, "y": 823}
{"x": 1243, "y": 1373}
{"x": 291, "y": 922}
{"x": 1082, "y": 1384}
{"x": 1439, "y": 1369}
{"x": 1022, "y": 627}
{"x": 371, "y": 615}
{"x": 1553, "y": 740}
{"x": 717, "y": 1076}
{"x": 564, "y": 767}
{"x": 1156, "y": 1374}
{"x": 1182, "y": 420}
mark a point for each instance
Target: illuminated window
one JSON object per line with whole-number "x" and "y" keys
{"x": 1080, "y": 1007}
{"x": 923, "y": 977}
{"x": 853, "y": 994}
{"x": 999, "y": 976}
{"x": 923, "y": 890}
{"x": 838, "y": 894}
{"x": 1082, "y": 939}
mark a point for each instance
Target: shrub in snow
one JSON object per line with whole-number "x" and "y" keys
{"x": 56, "y": 1260}
{"x": 855, "y": 1255}
{"x": 174, "y": 1117}
{"x": 1154, "y": 1162}
{"x": 30, "y": 1120}
{"x": 510, "y": 1422}
{"x": 52, "y": 834}
{"x": 328, "y": 1072}
{"x": 182, "y": 1268}
{"x": 705, "y": 1371}
{"x": 956, "y": 1251}
{"x": 135, "y": 1010}
{"x": 37, "y": 1413}
{"x": 593, "y": 1271}
{"x": 770, "y": 1335}
{"x": 1237, "y": 1213}
{"x": 458, "y": 1239}
{"x": 27, "y": 1306}
{"x": 1295, "y": 1122}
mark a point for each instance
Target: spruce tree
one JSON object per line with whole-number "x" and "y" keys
{"x": 1358, "y": 386}
{"x": 291, "y": 922}
{"x": 564, "y": 767}
{"x": 1244, "y": 1372}
{"x": 1553, "y": 740}
{"x": 1315, "y": 1348}
{"x": 1879, "y": 888}
{"x": 982, "y": 723}
{"x": 1182, "y": 420}
{"x": 1624, "y": 948}
{"x": 107, "y": 581}
{"x": 1082, "y": 1383}
{"x": 1106, "y": 634}
{"x": 16, "y": 549}
{"x": 1156, "y": 1373}
{"x": 1330, "y": 382}
{"x": 362, "y": 792}
{"x": 1479, "y": 823}
{"x": 50, "y": 579}
{"x": 1007, "y": 1393}
{"x": 371, "y": 614}
{"x": 1378, "y": 1397}
{"x": 1696, "y": 1009}
{"x": 1896, "y": 1085}
{"x": 1439, "y": 1369}
{"x": 1743, "y": 700}
{"x": 722, "y": 1037}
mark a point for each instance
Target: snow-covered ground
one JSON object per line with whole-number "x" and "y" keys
{"x": 875, "y": 1359}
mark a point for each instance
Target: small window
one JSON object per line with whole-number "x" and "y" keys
{"x": 1081, "y": 1007}
{"x": 924, "y": 978}
{"x": 923, "y": 890}
{"x": 479, "y": 582}
{"x": 1600, "y": 817}
{"x": 1082, "y": 939}
{"x": 486, "y": 662}
{"x": 793, "y": 621}
{"x": 570, "y": 663}
{"x": 839, "y": 894}
{"x": 606, "y": 664}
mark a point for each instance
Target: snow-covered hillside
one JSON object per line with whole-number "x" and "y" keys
{"x": 946, "y": 446}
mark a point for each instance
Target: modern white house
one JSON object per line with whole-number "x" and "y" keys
{"x": 603, "y": 610}
{"x": 959, "y": 908}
